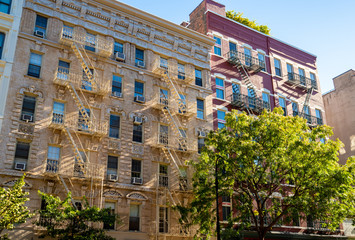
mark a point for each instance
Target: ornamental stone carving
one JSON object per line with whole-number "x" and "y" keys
{"x": 136, "y": 196}
{"x": 112, "y": 194}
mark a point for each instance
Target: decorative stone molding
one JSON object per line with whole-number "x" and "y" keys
{"x": 11, "y": 183}
{"x": 32, "y": 90}
{"x": 137, "y": 196}
{"x": 112, "y": 194}
{"x": 138, "y": 149}
{"x": 26, "y": 128}
{"x": 138, "y": 114}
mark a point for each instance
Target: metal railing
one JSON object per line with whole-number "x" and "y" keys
{"x": 245, "y": 101}
{"x": 163, "y": 181}
{"x": 311, "y": 120}
{"x": 251, "y": 63}
{"x": 52, "y": 166}
{"x": 301, "y": 81}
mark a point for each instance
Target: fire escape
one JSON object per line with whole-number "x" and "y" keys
{"x": 172, "y": 108}
{"x": 246, "y": 65}
{"x": 85, "y": 121}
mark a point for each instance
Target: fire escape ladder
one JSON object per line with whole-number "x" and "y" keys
{"x": 308, "y": 98}
{"x": 84, "y": 64}
{"x": 67, "y": 189}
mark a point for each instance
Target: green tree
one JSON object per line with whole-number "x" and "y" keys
{"x": 12, "y": 206}
{"x": 64, "y": 221}
{"x": 274, "y": 168}
{"x": 245, "y": 21}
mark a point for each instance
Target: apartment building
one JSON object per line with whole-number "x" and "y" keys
{"x": 251, "y": 71}
{"x": 340, "y": 109}
{"x": 108, "y": 102}
{"x": 10, "y": 17}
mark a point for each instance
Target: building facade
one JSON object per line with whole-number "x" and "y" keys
{"x": 10, "y": 17}
{"x": 251, "y": 71}
{"x": 340, "y": 111}
{"x": 103, "y": 102}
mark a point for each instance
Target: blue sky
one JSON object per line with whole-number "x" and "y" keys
{"x": 325, "y": 28}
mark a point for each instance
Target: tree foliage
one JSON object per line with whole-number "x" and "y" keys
{"x": 12, "y": 205}
{"x": 245, "y": 21}
{"x": 63, "y": 221}
{"x": 273, "y": 167}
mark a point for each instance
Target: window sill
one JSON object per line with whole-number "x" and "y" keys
{"x": 118, "y": 98}
{"x": 138, "y": 103}
{"x": 202, "y": 119}
{"x": 276, "y": 76}
{"x": 34, "y": 78}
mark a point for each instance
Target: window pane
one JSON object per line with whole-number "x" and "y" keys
{"x": 236, "y": 88}
{"x": 136, "y": 166}
{"x": 41, "y": 21}
{"x": 232, "y": 46}
{"x": 218, "y": 40}
{"x": 22, "y": 150}
{"x": 138, "y": 89}
{"x": 112, "y": 162}
{"x": 5, "y": 8}
{"x": 139, "y": 54}
{"x": 265, "y": 97}
{"x": 219, "y": 82}
{"x": 118, "y": 47}
{"x": 137, "y": 133}
{"x": 220, "y": 93}
{"x": 36, "y": 59}
{"x": 58, "y": 108}
{"x": 53, "y": 153}
{"x": 198, "y": 77}
{"x": 200, "y": 109}
{"x": 114, "y": 126}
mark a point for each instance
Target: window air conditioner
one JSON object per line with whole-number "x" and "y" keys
{"x": 137, "y": 180}
{"x": 139, "y": 99}
{"x": 120, "y": 56}
{"x": 27, "y": 118}
{"x": 138, "y": 120}
{"x": 112, "y": 177}
{"x": 117, "y": 94}
{"x": 140, "y": 64}
{"x": 20, "y": 166}
{"x": 39, "y": 33}
{"x": 201, "y": 134}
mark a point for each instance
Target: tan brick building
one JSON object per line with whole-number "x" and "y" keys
{"x": 109, "y": 102}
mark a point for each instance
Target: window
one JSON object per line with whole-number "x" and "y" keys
{"x": 302, "y": 76}
{"x": 247, "y": 56}
{"x": 232, "y": 47}
{"x": 90, "y": 41}
{"x": 183, "y": 179}
{"x": 313, "y": 80}
{"x": 307, "y": 114}
{"x": 181, "y": 71}
{"x": 134, "y": 217}
{"x": 294, "y": 109}
{"x": 118, "y": 47}
{"x": 41, "y": 26}
{"x": 63, "y": 70}
{"x": 21, "y": 155}
{"x": 34, "y": 67}
{"x": 28, "y": 108}
{"x": 217, "y": 46}
{"x": 261, "y": 58}
{"x": 83, "y": 125}
{"x": 220, "y": 117}
{"x": 182, "y": 104}
{"x": 295, "y": 219}
{"x": 319, "y": 117}
{"x": 112, "y": 165}
{"x": 277, "y": 64}
{"x": 282, "y": 102}
{"x": 163, "y": 176}
{"x": 116, "y": 86}
{"x": 236, "y": 91}
{"x": 110, "y": 225}
{"x": 85, "y": 82}
{"x": 79, "y": 165}
{"x": 198, "y": 77}
{"x": 136, "y": 168}
{"x": 138, "y": 133}
{"x": 226, "y": 208}
{"x": 200, "y": 109}
{"x": 163, "y": 63}
{"x": 219, "y": 88}
{"x": 5, "y": 6}
{"x": 266, "y": 100}
{"x": 200, "y": 144}
{"x": 182, "y": 140}
{"x": 114, "y": 126}
{"x": 163, "y": 219}
{"x": 139, "y": 57}
{"x": 2, "y": 39}
{"x": 289, "y": 71}
{"x": 164, "y": 97}
{"x": 251, "y": 98}
{"x": 138, "y": 89}
{"x": 164, "y": 134}
{"x": 58, "y": 113}
{"x": 53, "y": 159}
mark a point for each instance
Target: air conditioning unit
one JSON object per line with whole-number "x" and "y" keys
{"x": 117, "y": 94}
{"x": 27, "y": 117}
{"x": 201, "y": 134}
{"x": 137, "y": 180}
{"x": 139, "y": 99}
{"x": 138, "y": 120}
{"x": 20, "y": 166}
{"x": 120, "y": 56}
{"x": 140, "y": 64}
{"x": 39, "y": 33}
{"x": 112, "y": 177}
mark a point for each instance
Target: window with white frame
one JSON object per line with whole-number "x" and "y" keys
{"x": 114, "y": 131}
{"x": 221, "y": 118}
{"x": 261, "y": 59}
{"x": 277, "y": 65}
{"x": 282, "y": 102}
{"x": 53, "y": 156}
{"x": 226, "y": 208}
{"x": 294, "y": 109}
{"x": 290, "y": 71}
{"x": 302, "y": 76}
{"x": 134, "y": 217}
{"x": 28, "y": 108}
{"x": 200, "y": 109}
{"x": 313, "y": 80}
{"x": 319, "y": 117}
{"x": 181, "y": 71}
{"x": 163, "y": 219}
{"x": 198, "y": 77}
{"x": 116, "y": 86}
{"x": 266, "y": 100}
{"x": 34, "y": 67}
{"x": 219, "y": 88}
{"x": 217, "y": 46}
{"x": 21, "y": 155}
{"x": 58, "y": 113}
{"x": 112, "y": 165}
{"x": 5, "y": 6}
{"x": 41, "y": 26}
{"x": 247, "y": 57}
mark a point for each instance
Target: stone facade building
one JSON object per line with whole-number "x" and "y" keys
{"x": 340, "y": 111}
{"x": 10, "y": 17}
{"x": 108, "y": 102}
{"x": 252, "y": 71}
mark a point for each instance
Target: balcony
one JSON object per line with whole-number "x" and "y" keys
{"x": 94, "y": 127}
{"x": 160, "y": 102}
{"x": 52, "y": 166}
{"x": 163, "y": 181}
{"x": 253, "y": 103}
{"x": 95, "y": 43}
{"x": 176, "y": 143}
{"x": 311, "y": 120}
{"x": 301, "y": 81}
{"x": 251, "y": 64}
{"x": 63, "y": 77}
